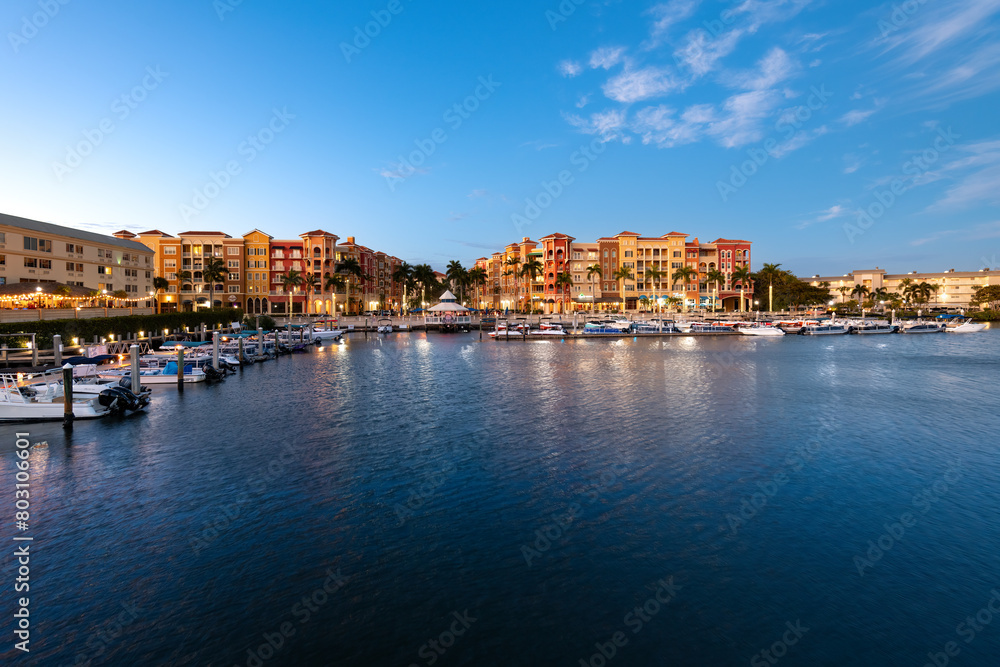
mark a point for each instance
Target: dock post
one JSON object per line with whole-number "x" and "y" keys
{"x": 240, "y": 340}
{"x": 215, "y": 350}
{"x": 260, "y": 345}
{"x": 34, "y": 349}
{"x": 68, "y": 415}
{"x": 57, "y": 349}
{"x": 289, "y": 332}
{"x": 180, "y": 369}
{"x": 134, "y": 353}
{"x": 201, "y": 334}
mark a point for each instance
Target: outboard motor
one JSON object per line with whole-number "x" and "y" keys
{"x": 126, "y": 382}
{"x": 120, "y": 400}
{"x": 212, "y": 374}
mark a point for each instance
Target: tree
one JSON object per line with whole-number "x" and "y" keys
{"x": 860, "y": 292}
{"x": 160, "y": 285}
{"x": 593, "y": 270}
{"x": 564, "y": 281}
{"x": 989, "y": 295}
{"x": 905, "y": 286}
{"x": 621, "y": 275}
{"x": 214, "y": 272}
{"x": 684, "y": 275}
{"x": 424, "y": 274}
{"x": 351, "y": 268}
{"x": 742, "y": 275}
{"x": 530, "y": 271}
{"x": 844, "y": 290}
{"x": 457, "y": 275}
{"x": 717, "y": 278}
{"x": 476, "y": 277}
{"x": 673, "y": 301}
{"x": 403, "y": 274}
{"x": 334, "y": 282}
{"x": 289, "y": 282}
{"x": 310, "y": 283}
{"x": 654, "y": 275}
{"x": 769, "y": 274}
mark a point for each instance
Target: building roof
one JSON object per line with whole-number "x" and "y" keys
{"x": 320, "y": 232}
{"x": 674, "y": 234}
{"x": 156, "y": 232}
{"x": 730, "y": 241}
{"x": 257, "y": 231}
{"x": 206, "y": 234}
{"x": 557, "y": 235}
{"x": 59, "y": 230}
{"x": 627, "y": 234}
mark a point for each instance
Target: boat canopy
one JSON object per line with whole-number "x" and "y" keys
{"x": 99, "y": 359}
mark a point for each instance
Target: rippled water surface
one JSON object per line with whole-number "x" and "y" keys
{"x": 418, "y": 500}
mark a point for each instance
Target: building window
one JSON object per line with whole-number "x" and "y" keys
{"x": 30, "y": 243}
{"x": 170, "y": 264}
{"x": 234, "y": 289}
{"x": 170, "y": 250}
{"x": 104, "y": 270}
{"x": 3, "y": 260}
{"x": 3, "y": 237}
{"x": 31, "y": 262}
{"x": 234, "y": 264}
{"x": 172, "y": 289}
{"x": 234, "y": 276}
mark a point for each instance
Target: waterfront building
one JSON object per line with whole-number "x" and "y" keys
{"x": 320, "y": 260}
{"x": 256, "y": 264}
{"x": 630, "y": 250}
{"x": 287, "y": 255}
{"x": 954, "y": 288}
{"x": 181, "y": 261}
{"x": 41, "y": 252}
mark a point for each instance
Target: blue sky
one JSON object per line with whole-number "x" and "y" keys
{"x": 835, "y": 135}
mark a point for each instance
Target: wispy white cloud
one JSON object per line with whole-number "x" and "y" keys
{"x": 832, "y": 213}
{"x": 641, "y": 84}
{"x": 666, "y": 15}
{"x": 852, "y": 163}
{"x": 478, "y": 193}
{"x": 975, "y": 174}
{"x": 583, "y": 101}
{"x": 700, "y": 52}
{"x": 607, "y": 57}
{"x": 570, "y": 68}
{"x": 609, "y": 125}
{"x": 775, "y": 67}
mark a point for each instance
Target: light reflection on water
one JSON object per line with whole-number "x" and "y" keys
{"x": 657, "y": 440}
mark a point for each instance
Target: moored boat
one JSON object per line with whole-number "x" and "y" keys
{"x": 921, "y": 327}
{"x": 968, "y": 326}
{"x": 830, "y": 329}
{"x": 761, "y": 330}
{"x": 868, "y": 328}
{"x": 45, "y": 402}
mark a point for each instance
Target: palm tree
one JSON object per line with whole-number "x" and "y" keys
{"x": 214, "y": 272}
{"x": 906, "y": 288}
{"x": 769, "y": 273}
{"x": 743, "y": 275}
{"x": 684, "y": 275}
{"x": 290, "y": 281}
{"x": 621, "y": 275}
{"x": 403, "y": 274}
{"x": 593, "y": 270}
{"x": 879, "y": 294}
{"x": 530, "y": 270}
{"x": 859, "y": 292}
{"x": 351, "y": 268}
{"x": 333, "y": 283}
{"x": 717, "y": 277}
{"x": 654, "y": 275}
{"x": 160, "y": 285}
{"x": 564, "y": 281}
{"x": 424, "y": 275}
{"x": 310, "y": 283}
{"x": 457, "y": 275}
{"x": 477, "y": 278}
{"x": 673, "y": 301}
{"x": 844, "y": 290}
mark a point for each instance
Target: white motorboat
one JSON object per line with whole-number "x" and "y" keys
{"x": 921, "y": 327}
{"x": 830, "y": 329}
{"x": 869, "y": 327}
{"x": 794, "y": 326}
{"x": 548, "y": 329}
{"x": 761, "y": 330}
{"x": 384, "y": 326}
{"x": 165, "y": 375}
{"x": 968, "y": 326}
{"x": 43, "y": 402}
{"x": 321, "y": 336}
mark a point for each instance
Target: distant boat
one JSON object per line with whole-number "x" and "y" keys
{"x": 761, "y": 330}
{"x": 45, "y": 402}
{"x": 384, "y": 326}
{"x": 870, "y": 328}
{"x": 548, "y": 329}
{"x": 968, "y": 326}
{"x": 922, "y": 327}
{"x": 165, "y": 375}
{"x": 831, "y": 329}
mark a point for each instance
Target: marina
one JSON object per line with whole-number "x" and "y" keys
{"x": 452, "y": 497}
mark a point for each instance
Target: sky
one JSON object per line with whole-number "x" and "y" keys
{"x": 833, "y": 135}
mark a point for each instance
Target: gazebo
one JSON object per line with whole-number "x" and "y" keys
{"x": 448, "y": 315}
{"x": 37, "y": 295}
